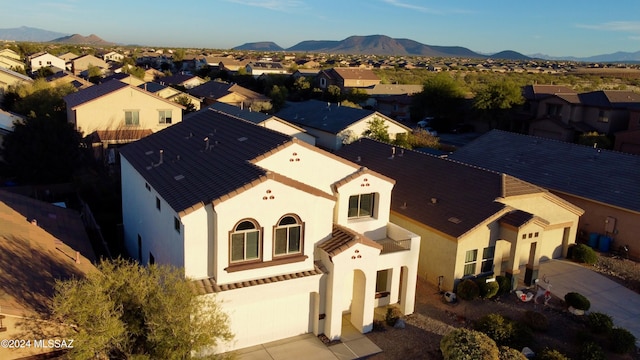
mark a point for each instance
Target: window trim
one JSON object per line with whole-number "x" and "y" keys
{"x": 300, "y": 224}
{"x": 257, "y": 228}
{"x": 358, "y": 207}
{"x": 161, "y": 117}
{"x": 488, "y": 259}
{"x": 473, "y": 262}
{"x": 135, "y": 120}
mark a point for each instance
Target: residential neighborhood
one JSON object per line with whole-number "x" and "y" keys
{"x": 315, "y": 199}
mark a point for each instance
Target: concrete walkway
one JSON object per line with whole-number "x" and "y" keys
{"x": 606, "y": 296}
{"x": 353, "y": 345}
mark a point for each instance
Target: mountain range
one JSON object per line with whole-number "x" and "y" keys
{"x": 372, "y": 44}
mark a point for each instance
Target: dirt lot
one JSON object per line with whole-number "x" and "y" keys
{"x": 434, "y": 317}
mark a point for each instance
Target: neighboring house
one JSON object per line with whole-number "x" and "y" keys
{"x": 394, "y": 106}
{"x": 152, "y": 74}
{"x": 228, "y": 93}
{"x": 265, "y": 120}
{"x": 8, "y": 53}
{"x": 11, "y": 63}
{"x": 123, "y": 113}
{"x": 305, "y": 73}
{"x": 491, "y": 228}
{"x": 10, "y": 77}
{"x": 81, "y": 64}
{"x": 184, "y": 80}
{"x": 332, "y": 124}
{"x": 44, "y": 59}
{"x": 245, "y": 211}
{"x": 629, "y": 140}
{"x": 7, "y": 120}
{"x": 232, "y": 65}
{"x": 606, "y": 184}
{"x": 346, "y": 78}
{"x": 68, "y": 56}
{"x": 169, "y": 93}
{"x": 125, "y": 78}
{"x": 264, "y": 67}
{"x": 64, "y": 77}
{"x": 113, "y": 56}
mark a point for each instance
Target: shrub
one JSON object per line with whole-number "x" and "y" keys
{"x": 488, "y": 289}
{"x": 621, "y": 341}
{"x": 591, "y": 351}
{"x": 497, "y": 327}
{"x": 599, "y": 323}
{"x": 536, "y": 320}
{"x": 463, "y": 343}
{"x": 504, "y": 284}
{"x": 378, "y": 325}
{"x": 507, "y": 353}
{"x": 393, "y": 314}
{"x": 468, "y": 290}
{"x": 584, "y": 254}
{"x": 577, "y": 301}
{"x": 549, "y": 354}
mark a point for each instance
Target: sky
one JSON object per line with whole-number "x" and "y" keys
{"x": 578, "y": 28}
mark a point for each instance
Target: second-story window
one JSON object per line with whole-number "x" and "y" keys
{"x": 288, "y": 236}
{"x": 164, "y": 117}
{"x": 361, "y": 206}
{"x": 132, "y": 117}
{"x": 245, "y": 241}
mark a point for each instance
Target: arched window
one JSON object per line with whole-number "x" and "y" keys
{"x": 288, "y": 236}
{"x": 245, "y": 241}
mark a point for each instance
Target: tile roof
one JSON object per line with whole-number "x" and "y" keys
{"x": 600, "y": 175}
{"x": 445, "y": 195}
{"x": 356, "y": 73}
{"x": 177, "y": 79}
{"x": 320, "y": 115}
{"x": 537, "y": 92}
{"x": 255, "y": 117}
{"x": 191, "y": 173}
{"x": 393, "y": 89}
{"x": 610, "y": 99}
{"x": 93, "y": 92}
{"x": 342, "y": 239}
{"x": 152, "y": 87}
{"x": 121, "y": 135}
{"x": 209, "y": 286}
{"x": 516, "y": 218}
{"x": 16, "y": 74}
{"x": 218, "y": 89}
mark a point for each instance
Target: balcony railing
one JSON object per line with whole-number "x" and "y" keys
{"x": 390, "y": 245}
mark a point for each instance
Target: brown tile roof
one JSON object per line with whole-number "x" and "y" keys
{"x": 537, "y": 92}
{"x": 604, "y": 176}
{"x": 119, "y": 135}
{"x": 610, "y": 99}
{"x": 356, "y": 73}
{"x": 193, "y": 174}
{"x": 445, "y": 195}
{"x": 343, "y": 238}
{"x": 209, "y": 286}
{"x": 216, "y": 89}
{"x": 516, "y": 218}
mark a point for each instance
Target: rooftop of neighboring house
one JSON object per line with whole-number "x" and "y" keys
{"x": 266, "y": 65}
{"x": 537, "y": 92}
{"x": 204, "y": 159}
{"x": 393, "y": 89}
{"x": 604, "y": 176}
{"x": 320, "y": 115}
{"x": 436, "y": 191}
{"x": 611, "y": 99}
{"x": 77, "y": 82}
{"x": 93, "y": 92}
{"x": 38, "y": 244}
{"x": 16, "y": 74}
{"x": 178, "y": 79}
{"x": 218, "y": 89}
{"x": 255, "y": 117}
{"x": 355, "y": 73}
{"x": 152, "y": 87}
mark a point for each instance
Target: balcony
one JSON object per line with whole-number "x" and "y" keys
{"x": 397, "y": 239}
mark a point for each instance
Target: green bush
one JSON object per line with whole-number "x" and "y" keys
{"x": 504, "y": 331}
{"x": 507, "y": 353}
{"x": 393, "y": 314}
{"x": 549, "y": 354}
{"x": 536, "y": 320}
{"x": 577, "y": 301}
{"x": 621, "y": 341}
{"x": 463, "y": 343}
{"x": 488, "y": 289}
{"x": 584, "y": 254}
{"x": 599, "y": 323}
{"x": 468, "y": 290}
{"x": 504, "y": 284}
{"x": 591, "y": 351}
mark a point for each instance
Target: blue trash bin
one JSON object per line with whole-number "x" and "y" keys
{"x": 604, "y": 243}
{"x": 593, "y": 240}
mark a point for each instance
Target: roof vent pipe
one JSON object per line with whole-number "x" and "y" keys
{"x": 161, "y": 155}
{"x": 206, "y": 143}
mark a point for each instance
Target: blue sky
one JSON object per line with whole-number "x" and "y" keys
{"x": 556, "y": 28}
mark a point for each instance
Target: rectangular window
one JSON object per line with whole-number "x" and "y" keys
{"x": 382, "y": 279}
{"x": 602, "y": 117}
{"x": 487, "y": 259}
{"x": 361, "y": 206}
{"x": 470, "y": 262}
{"x": 176, "y": 224}
{"x": 132, "y": 117}
{"x": 164, "y": 116}
{"x": 157, "y": 203}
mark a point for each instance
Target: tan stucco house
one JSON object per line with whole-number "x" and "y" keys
{"x": 606, "y": 184}
{"x": 473, "y": 222}
{"x": 10, "y": 77}
{"x": 346, "y": 78}
{"x": 170, "y": 93}
{"x": 82, "y": 63}
{"x": 285, "y": 248}
{"x": 228, "y": 93}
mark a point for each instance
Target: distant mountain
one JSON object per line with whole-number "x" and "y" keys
{"x": 82, "y": 40}
{"x": 510, "y": 54}
{"x": 381, "y": 45}
{"x": 260, "y": 46}
{"x": 30, "y": 34}
{"x": 619, "y": 56}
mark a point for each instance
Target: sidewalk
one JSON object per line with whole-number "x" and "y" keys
{"x": 606, "y": 296}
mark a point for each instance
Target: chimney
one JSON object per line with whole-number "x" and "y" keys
{"x": 393, "y": 153}
{"x": 77, "y": 257}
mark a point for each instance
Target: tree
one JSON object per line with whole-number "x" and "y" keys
{"x": 94, "y": 73}
{"x": 496, "y": 98}
{"x": 125, "y": 310}
{"x": 278, "y": 95}
{"x": 42, "y": 150}
{"x": 357, "y": 96}
{"x": 463, "y": 343}
{"x": 441, "y": 97}
{"x": 38, "y": 99}
{"x": 333, "y": 93}
{"x": 377, "y": 130}
{"x": 134, "y": 71}
{"x": 184, "y": 101}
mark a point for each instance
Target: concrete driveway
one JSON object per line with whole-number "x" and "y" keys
{"x": 606, "y": 296}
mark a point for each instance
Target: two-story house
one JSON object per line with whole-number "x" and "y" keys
{"x": 44, "y": 59}
{"x": 346, "y": 78}
{"x": 81, "y": 64}
{"x": 285, "y": 248}
{"x": 265, "y": 67}
{"x": 629, "y": 140}
{"x": 114, "y": 113}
